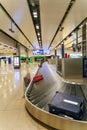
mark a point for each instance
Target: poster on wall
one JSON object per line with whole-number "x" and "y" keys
{"x": 16, "y": 62}
{"x": 85, "y": 67}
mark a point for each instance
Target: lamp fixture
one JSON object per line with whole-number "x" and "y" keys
{"x": 61, "y": 28}
{"x": 34, "y": 13}
{"x": 11, "y": 29}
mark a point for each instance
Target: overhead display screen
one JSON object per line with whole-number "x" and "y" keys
{"x": 40, "y": 52}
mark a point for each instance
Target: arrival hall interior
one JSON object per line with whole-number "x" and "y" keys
{"x": 43, "y": 65}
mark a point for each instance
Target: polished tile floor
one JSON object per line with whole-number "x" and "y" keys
{"x": 13, "y": 115}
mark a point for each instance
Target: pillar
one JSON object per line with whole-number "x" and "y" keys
{"x": 62, "y": 50}
{"x": 18, "y": 50}
{"x": 84, "y": 41}
{"x": 27, "y": 52}
{"x": 76, "y": 37}
{"x": 55, "y": 52}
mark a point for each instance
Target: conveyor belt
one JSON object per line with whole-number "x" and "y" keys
{"x": 44, "y": 90}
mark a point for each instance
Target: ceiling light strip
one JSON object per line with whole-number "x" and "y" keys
{"x": 35, "y": 14}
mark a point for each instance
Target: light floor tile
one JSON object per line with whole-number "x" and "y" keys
{"x": 8, "y": 118}
{"x": 13, "y": 115}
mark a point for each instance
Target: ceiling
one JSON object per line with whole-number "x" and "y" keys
{"x": 51, "y": 14}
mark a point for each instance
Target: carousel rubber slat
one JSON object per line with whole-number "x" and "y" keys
{"x": 43, "y": 96}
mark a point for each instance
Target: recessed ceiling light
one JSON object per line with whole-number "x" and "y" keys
{"x": 35, "y": 14}
{"x": 37, "y": 26}
{"x": 38, "y": 34}
{"x": 39, "y": 38}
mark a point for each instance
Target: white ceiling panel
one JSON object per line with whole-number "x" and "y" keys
{"x": 74, "y": 18}
{"x": 20, "y": 13}
{"x": 51, "y": 13}
{"x": 6, "y": 24}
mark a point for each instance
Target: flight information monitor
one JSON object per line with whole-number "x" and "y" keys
{"x": 41, "y": 52}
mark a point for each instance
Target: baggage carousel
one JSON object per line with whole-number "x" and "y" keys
{"x": 39, "y": 95}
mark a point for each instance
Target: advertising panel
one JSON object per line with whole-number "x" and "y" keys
{"x": 16, "y": 62}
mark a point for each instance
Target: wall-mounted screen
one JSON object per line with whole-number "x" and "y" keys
{"x": 41, "y": 52}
